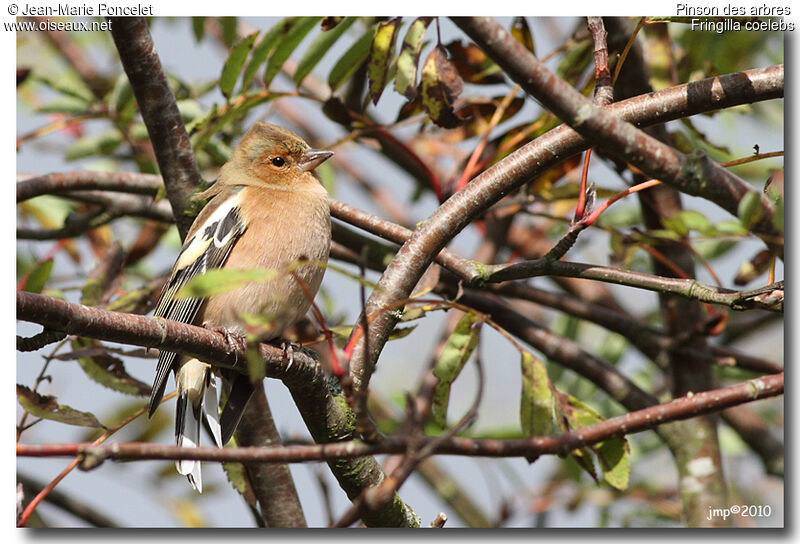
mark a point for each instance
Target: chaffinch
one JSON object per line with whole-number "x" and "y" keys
{"x": 268, "y": 211}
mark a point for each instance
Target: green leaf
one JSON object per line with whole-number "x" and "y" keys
{"x": 198, "y": 28}
{"x": 406, "y": 81}
{"x": 105, "y": 369}
{"x": 218, "y": 280}
{"x": 263, "y": 48}
{"x": 64, "y": 104}
{"x": 47, "y": 407}
{"x": 256, "y": 369}
{"x": 321, "y": 44}
{"x": 88, "y": 146}
{"x": 381, "y": 54}
{"x": 751, "y": 209}
{"x": 287, "y": 45}
{"x": 441, "y": 85}
{"x": 730, "y": 228}
{"x": 538, "y": 410}
{"x": 687, "y": 220}
{"x": 456, "y": 351}
{"x": 234, "y": 64}
{"x": 352, "y": 59}
{"x": 39, "y": 276}
{"x": 612, "y": 454}
{"x": 522, "y": 32}
{"x": 229, "y": 27}
{"x": 67, "y": 83}
{"x": 121, "y": 99}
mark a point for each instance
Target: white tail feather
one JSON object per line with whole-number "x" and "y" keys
{"x": 211, "y": 409}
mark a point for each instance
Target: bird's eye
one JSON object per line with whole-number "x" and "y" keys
{"x": 278, "y": 161}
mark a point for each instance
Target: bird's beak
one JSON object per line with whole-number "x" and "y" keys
{"x": 313, "y": 158}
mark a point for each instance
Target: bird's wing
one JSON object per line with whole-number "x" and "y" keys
{"x": 208, "y": 245}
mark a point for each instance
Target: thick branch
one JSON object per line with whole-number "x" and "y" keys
{"x": 160, "y": 114}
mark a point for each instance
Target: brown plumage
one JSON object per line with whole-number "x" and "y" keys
{"x": 268, "y": 212}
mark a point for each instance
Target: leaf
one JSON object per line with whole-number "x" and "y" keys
{"x": 121, "y": 99}
{"x": 381, "y": 53}
{"x": 67, "y": 83}
{"x": 538, "y": 409}
{"x": 522, "y": 32}
{"x": 473, "y": 65}
{"x": 287, "y": 45}
{"x": 480, "y": 113}
{"x": 750, "y": 209}
{"x": 234, "y": 64}
{"x": 405, "y": 82}
{"x": 352, "y": 60}
{"x": 263, "y": 48}
{"x": 441, "y": 85}
{"x": 47, "y": 407}
{"x": 454, "y": 355}
{"x": 38, "y": 276}
{"x": 321, "y": 44}
{"x": 687, "y": 220}
{"x": 64, "y": 104}
{"x": 198, "y": 28}
{"x": 329, "y": 23}
{"x": 110, "y": 372}
{"x": 218, "y": 280}
{"x": 612, "y": 454}
{"x": 102, "y": 144}
{"x": 229, "y": 30}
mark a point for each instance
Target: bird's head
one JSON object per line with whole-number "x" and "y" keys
{"x": 276, "y": 155}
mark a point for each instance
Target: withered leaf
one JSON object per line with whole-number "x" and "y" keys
{"x": 441, "y": 85}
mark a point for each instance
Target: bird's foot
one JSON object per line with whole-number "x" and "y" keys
{"x": 288, "y": 352}
{"x": 236, "y": 340}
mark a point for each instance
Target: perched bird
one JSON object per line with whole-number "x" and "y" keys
{"x": 268, "y": 211}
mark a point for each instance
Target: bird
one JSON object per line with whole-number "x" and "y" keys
{"x": 267, "y": 210}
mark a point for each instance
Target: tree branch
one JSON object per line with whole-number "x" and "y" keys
{"x": 694, "y": 174}
{"x": 633, "y": 422}
{"x": 160, "y": 114}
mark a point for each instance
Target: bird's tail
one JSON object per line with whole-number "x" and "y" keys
{"x": 197, "y": 400}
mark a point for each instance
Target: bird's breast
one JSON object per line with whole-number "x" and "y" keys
{"x": 283, "y": 228}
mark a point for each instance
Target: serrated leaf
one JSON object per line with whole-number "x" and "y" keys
{"x": 89, "y": 146}
{"x": 319, "y": 47}
{"x": 405, "y": 81}
{"x": 46, "y": 407}
{"x": 454, "y": 355}
{"x": 287, "y": 45}
{"x": 263, "y": 48}
{"x": 38, "y": 276}
{"x": 352, "y": 60}
{"x": 751, "y": 209}
{"x": 198, "y": 28}
{"x": 522, "y": 32}
{"x": 381, "y": 53}
{"x": 234, "y": 64}
{"x": 441, "y": 85}
{"x": 219, "y": 280}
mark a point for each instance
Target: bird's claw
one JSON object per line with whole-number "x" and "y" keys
{"x": 288, "y": 353}
{"x": 236, "y": 341}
